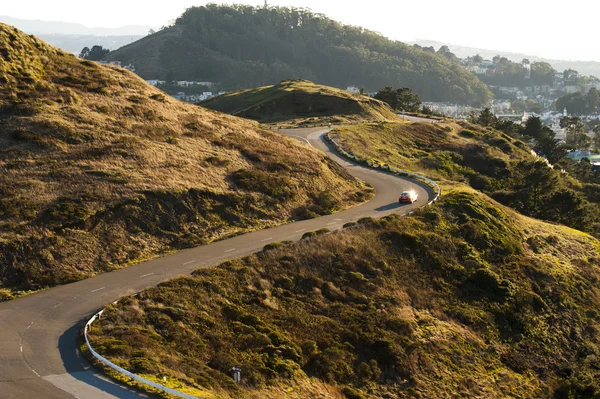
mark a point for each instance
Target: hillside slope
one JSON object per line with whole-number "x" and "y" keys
{"x": 301, "y": 101}
{"x": 241, "y": 46}
{"x": 100, "y": 169}
{"x": 463, "y": 299}
{"x": 487, "y": 159}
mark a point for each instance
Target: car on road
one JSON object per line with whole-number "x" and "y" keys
{"x": 408, "y": 196}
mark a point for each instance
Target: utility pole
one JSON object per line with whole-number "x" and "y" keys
{"x": 266, "y": 4}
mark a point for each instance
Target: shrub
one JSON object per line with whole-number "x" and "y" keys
{"x": 263, "y": 182}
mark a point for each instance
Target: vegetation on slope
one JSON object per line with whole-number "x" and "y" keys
{"x": 463, "y": 299}
{"x": 487, "y": 159}
{"x": 301, "y": 102}
{"x": 99, "y": 169}
{"x": 241, "y": 46}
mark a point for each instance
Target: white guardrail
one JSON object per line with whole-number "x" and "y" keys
{"x": 121, "y": 370}
{"x": 397, "y": 171}
{"x": 171, "y": 391}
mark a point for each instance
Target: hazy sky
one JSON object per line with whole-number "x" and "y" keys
{"x": 566, "y": 30}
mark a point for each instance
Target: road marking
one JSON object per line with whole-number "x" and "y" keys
{"x": 339, "y": 220}
{"x": 55, "y": 306}
{"x": 230, "y": 250}
{"x": 331, "y": 224}
{"x": 267, "y": 239}
{"x": 187, "y": 263}
{"x": 146, "y": 275}
{"x": 23, "y": 356}
{"x": 99, "y": 289}
{"x": 300, "y": 231}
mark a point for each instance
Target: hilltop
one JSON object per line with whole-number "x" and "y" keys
{"x": 466, "y": 298}
{"x": 100, "y": 169}
{"x": 241, "y": 46}
{"x": 301, "y": 101}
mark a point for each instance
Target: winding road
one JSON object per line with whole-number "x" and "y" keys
{"x": 39, "y": 356}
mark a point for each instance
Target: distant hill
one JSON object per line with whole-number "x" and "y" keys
{"x": 75, "y": 43}
{"x": 301, "y": 100}
{"x": 74, "y": 37}
{"x": 589, "y": 68}
{"x": 99, "y": 169}
{"x": 242, "y": 47}
{"x": 39, "y": 27}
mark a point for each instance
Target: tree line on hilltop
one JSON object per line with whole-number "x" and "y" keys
{"x": 243, "y": 46}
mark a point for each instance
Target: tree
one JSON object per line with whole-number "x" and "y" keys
{"x": 576, "y": 129}
{"x": 509, "y": 127}
{"x": 95, "y": 54}
{"x": 487, "y": 118}
{"x": 445, "y": 52}
{"x": 388, "y": 95}
{"x": 569, "y": 208}
{"x": 407, "y": 101}
{"x": 596, "y": 139}
{"x": 538, "y": 182}
{"x": 151, "y": 32}
{"x": 570, "y": 74}
{"x": 549, "y": 147}
{"x": 542, "y": 73}
{"x": 533, "y": 127}
{"x": 85, "y": 53}
{"x": 401, "y": 99}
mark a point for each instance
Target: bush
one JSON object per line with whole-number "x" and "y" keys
{"x": 263, "y": 182}
{"x": 275, "y": 245}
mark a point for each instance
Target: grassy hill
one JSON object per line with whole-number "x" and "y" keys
{"x": 301, "y": 101}
{"x": 241, "y": 46}
{"x": 100, "y": 169}
{"x": 486, "y": 159}
{"x": 466, "y": 298}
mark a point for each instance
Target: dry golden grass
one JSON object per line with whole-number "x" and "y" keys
{"x": 302, "y": 103}
{"x": 454, "y": 301}
{"x": 99, "y": 169}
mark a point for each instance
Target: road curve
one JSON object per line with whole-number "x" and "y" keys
{"x": 39, "y": 356}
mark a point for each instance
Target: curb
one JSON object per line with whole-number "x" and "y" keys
{"x": 121, "y": 370}
{"x": 374, "y": 165}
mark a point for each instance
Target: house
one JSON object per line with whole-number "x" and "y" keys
{"x": 353, "y": 89}
{"x": 501, "y": 106}
{"x": 571, "y": 89}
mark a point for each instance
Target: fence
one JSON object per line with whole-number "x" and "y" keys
{"x": 376, "y": 165}
{"x": 121, "y": 370}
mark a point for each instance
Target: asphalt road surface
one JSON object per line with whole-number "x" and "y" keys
{"x": 39, "y": 355}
